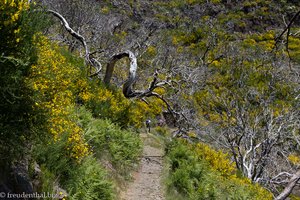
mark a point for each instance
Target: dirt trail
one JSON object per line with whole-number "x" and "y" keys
{"x": 147, "y": 180}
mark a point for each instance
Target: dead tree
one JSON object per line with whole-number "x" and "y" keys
{"x": 128, "y": 89}
{"x": 290, "y": 186}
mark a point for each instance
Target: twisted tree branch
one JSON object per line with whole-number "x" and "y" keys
{"x": 88, "y": 55}
{"x": 128, "y": 90}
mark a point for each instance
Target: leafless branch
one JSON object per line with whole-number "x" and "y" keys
{"x": 88, "y": 55}
{"x": 288, "y": 189}
{"x": 287, "y": 27}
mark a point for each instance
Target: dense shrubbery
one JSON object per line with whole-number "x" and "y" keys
{"x": 41, "y": 86}
{"x": 18, "y": 24}
{"x": 59, "y": 84}
{"x": 70, "y": 121}
{"x": 110, "y": 103}
{"x": 84, "y": 180}
{"x": 88, "y": 179}
{"x": 62, "y": 151}
{"x": 53, "y": 80}
{"x": 199, "y": 172}
{"x": 121, "y": 147}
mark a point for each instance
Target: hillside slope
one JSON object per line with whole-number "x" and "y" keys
{"x": 78, "y": 82}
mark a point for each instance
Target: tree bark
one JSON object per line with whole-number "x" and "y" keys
{"x": 289, "y": 188}
{"x": 127, "y": 86}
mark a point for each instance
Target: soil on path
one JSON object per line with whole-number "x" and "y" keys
{"x": 147, "y": 180}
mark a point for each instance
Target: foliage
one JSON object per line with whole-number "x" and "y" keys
{"x": 110, "y": 103}
{"x": 56, "y": 80}
{"x": 15, "y": 108}
{"x": 47, "y": 179}
{"x": 195, "y": 174}
{"x": 17, "y": 53}
{"x": 216, "y": 159}
{"x": 121, "y": 147}
{"x": 84, "y": 180}
{"x": 19, "y": 22}
{"x": 244, "y": 96}
{"x": 58, "y": 85}
{"x": 13, "y": 26}
{"x": 53, "y": 80}
{"x": 229, "y": 71}
{"x": 161, "y": 130}
{"x": 89, "y": 181}
{"x": 294, "y": 49}
{"x": 53, "y": 156}
{"x": 294, "y": 159}
{"x": 250, "y": 85}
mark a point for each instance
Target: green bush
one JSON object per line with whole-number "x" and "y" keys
{"x": 121, "y": 147}
{"x": 189, "y": 177}
{"x": 90, "y": 182}
{"x": 161, "y": 130}
{"x": 53, "y": 156}
{"x": 82, "y": 180}
{"x": 193, "y": 177}
{"x": 18, "y": 25}
{"x": 47, "y": 181}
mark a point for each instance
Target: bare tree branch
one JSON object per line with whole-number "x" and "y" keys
{"x": 128, "y": 85}
{"x": 287, "y": 27}
{"x": 71, "y": 31}
{"x": 288, "y": 189}
{"x": 88, "y": 55}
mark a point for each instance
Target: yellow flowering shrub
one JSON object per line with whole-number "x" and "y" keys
{"x": 11, "y": 30}
{"x": 14, "y": 9}
{"x": 151, "y": 51}
{"x": 52, "y": 80}
{"x": 217, "y": 159}
{"x": 111, "y": 103}
{"x": 294, "y": 159}
{"x": 264, "y": 41}
{"x": 294, "y": 49}
{"x": 199, "y": 172}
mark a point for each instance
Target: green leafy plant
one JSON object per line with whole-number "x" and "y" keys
{"x": 18, "y": 53}
{"x": 90, "y": 181}
{"x": 194, "y": 175}
{"x": 121, "y": 147}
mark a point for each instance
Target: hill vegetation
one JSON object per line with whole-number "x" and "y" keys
{"x": 223, "y": 74}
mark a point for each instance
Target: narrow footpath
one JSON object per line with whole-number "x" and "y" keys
{"x": 147, "y": 180}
